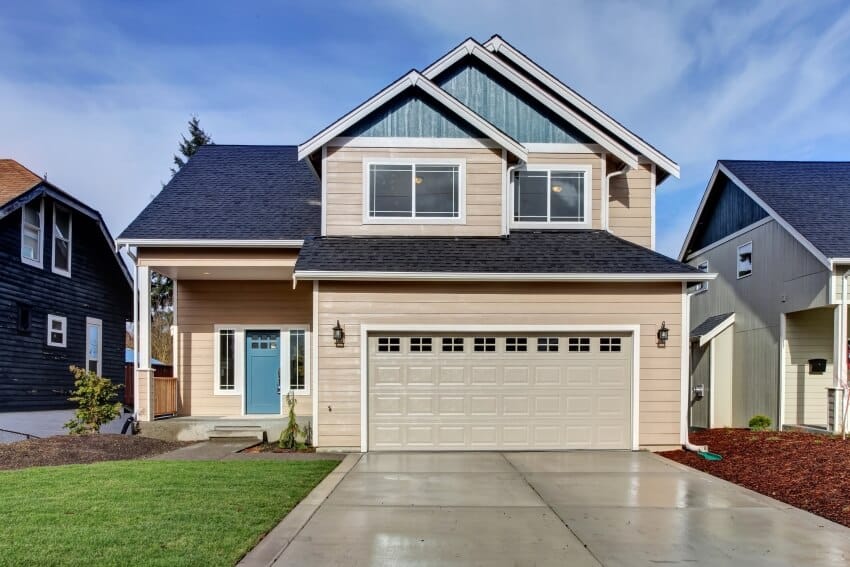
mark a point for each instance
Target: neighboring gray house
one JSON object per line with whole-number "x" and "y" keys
{"x": 767, "y": 332}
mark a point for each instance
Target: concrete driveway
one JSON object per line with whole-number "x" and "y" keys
{"x": 576, "y": 509}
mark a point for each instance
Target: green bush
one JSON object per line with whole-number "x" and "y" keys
{"x": 96, "y": 399}
{"x": 289, "y": 437}
{"x": 760, "y": 423}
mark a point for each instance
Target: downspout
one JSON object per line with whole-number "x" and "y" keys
{"x": 625, "y": 169}
{"x": 842, "y": 368}
{"x": 686, "y": 328}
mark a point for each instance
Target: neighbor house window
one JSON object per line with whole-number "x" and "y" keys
{"x": 32, "y": 228}
{"x": 555, "y": 196}
{"x": 227, "y": 360}
{"x": 414, "y": 192}
{"x": 297, "y": 360}
{"x": 745, "y": 260}
{"x": 94, "y": 345}
{"x": 61, "y": 241}
{"x": 57, "y": 331}
{"x": 702, "y": 286}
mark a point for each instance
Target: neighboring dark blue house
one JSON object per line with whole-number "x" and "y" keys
{"x": 65, "y": 295}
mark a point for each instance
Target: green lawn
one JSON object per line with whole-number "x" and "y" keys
{"x": 147, "y": 512}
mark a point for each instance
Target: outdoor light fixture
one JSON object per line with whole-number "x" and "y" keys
{"x": 663, "y": 333}
{"x": 339, "y": 335}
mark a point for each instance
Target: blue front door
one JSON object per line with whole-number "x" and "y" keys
{"x": 262, "y": 360}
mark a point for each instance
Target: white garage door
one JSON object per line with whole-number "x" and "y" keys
{"x": 499, "y": 391}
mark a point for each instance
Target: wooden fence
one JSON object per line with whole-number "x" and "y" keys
{"x": 130, "y": 380}
{"x": 164, "y": 396}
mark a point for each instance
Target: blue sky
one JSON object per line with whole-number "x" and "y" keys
{"x": 96, "y": 94}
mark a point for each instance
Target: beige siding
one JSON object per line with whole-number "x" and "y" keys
{"x": 345, "y": 191}
{"x": 630, "y": 205}
{"x": 203, "y": 304}
{"x": 354, "y": 304}
{"x": 593, "y": 160}
{"x": 808, "y": 334}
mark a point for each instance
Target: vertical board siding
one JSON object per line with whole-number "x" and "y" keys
{"x": 728, "y": 210}
{"x": 346, "y": 191}
{"x": 630, "y": 205}
{"x": 204, "y": 304}
{"x": 808, "y": 334}
{"x": 785, "y": 278}
{"x": 505, "y": 106}
{"x": 355, "y": 304}
{"x": 700, "y": 374}
{"x": 34, "y": 376}
{"x": 413, "y": 116}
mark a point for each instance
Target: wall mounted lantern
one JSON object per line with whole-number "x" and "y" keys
{"x": 663, "y": 333}
{"x": 339, "y": 335}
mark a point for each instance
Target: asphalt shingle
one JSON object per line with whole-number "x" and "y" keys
{"x": 709, "y": 325}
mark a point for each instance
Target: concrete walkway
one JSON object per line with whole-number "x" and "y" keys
{"x": 581, "y": 508}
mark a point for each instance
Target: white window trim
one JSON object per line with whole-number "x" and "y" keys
{"x": 239, "y": 360}
{"x": 703, "y": 285}
{"x": 64, "y": 320}
{"x": 40, "y": 262}
{"x": 738, "y": 258}
{"x": 587, "y": 170}
{"x": 61, "y": 272}
{"x": 460, "y": 162}
{"x": 99, "y": 324}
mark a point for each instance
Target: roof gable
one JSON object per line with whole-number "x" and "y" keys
{"x": 412, "y": 80}
{"x": 15, "y": 180}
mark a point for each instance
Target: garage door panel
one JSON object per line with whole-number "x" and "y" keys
{"x": 500, "y": 399}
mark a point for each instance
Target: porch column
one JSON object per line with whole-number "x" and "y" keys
{"x": 144, "y": 372}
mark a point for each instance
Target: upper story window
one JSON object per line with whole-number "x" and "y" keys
{"x": 414, "y": 191}
{"x": 555, "y": 196}
{"x": 32, "y": 230}
{"x": 61, "y": 241}
{"x": 745, "y": 260}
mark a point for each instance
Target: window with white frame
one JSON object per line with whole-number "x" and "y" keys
{"x": 32, "y": 230}
{"x": 547, "y": 344}
{"x": 420, "y": 344}
{"x": 389, "y": 344}
{"x": 297, "y": 360}
{"x": 579, "y": 344}
{"x": 94, "y": 345}
{"x": 745, "y": 260}
{"x": 610, "y": 344}
{"x": 484, "y": 344}
{"x": 414, "y": 191}
{"x": 557, "y": 196}
{"x": 61, "y": 241}
{"x": 516, "y": 344}
{"x": 452, "y": 344}
{"x": 57, "y": 331}
{"x": 226, "y": 376}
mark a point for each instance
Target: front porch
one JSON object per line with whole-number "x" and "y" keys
{"x": 240, "y": 343}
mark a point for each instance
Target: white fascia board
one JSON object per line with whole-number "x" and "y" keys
{"x": 412, "y": 79}
{"x": 725, "y": 324}
{"x": 157, "y": 243}
{"x": 473, "y": 276}
{"x": 499, "y": 45}
{"x": 471, "y": 47}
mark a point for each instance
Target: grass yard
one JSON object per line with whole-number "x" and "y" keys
{"x": 147, "y": 512}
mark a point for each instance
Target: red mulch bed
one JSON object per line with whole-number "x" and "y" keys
{"x": 80, "y": 449}
{"x": 275, "y": 448}
{"x": 805, "y": 470}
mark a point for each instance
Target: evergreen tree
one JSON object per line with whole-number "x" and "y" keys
{"x": 188, "y": 146}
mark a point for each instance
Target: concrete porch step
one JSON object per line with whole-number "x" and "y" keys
{"x": 238, "y": 431}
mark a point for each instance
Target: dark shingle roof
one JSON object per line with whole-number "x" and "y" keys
{"x": 709, "y": 325}
{"x": 562, "y": 252}
{"x": 812, "y": 196}
{"x": 235, "y": 193}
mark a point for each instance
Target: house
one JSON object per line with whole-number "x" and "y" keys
{"x": 464, "y": 261}
{"x": 65, "y": 296}
{"x": 769, "y": 330}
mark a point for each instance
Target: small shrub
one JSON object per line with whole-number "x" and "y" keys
{"x": 97, "y": 402}
{"x": 289, "y": 436}
{"x": 760, "y": 423}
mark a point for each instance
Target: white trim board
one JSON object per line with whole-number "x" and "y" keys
{"x": 475, "y": 49}
{"x": 408, "y": 81}
{"x": 477, "y": 276}
{"x": 498, "y": 45}
{"x": 711, "y": 335}
{"x": 720, "y": 168}
{"x": 365, "y": 329}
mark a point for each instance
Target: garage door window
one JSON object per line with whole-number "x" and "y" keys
{"x": 452, "y": 344}
{"x": 516, "y": 344}
{"x": 610, "y": 344}
{"x": 579, "y": 344}
{"x": 484, "y": 344}
{"x": 420, "y": 344}
{"x": 389, "y": 344}
{"x": 547, "y": 344}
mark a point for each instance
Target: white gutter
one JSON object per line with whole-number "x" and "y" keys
{"x": 625, "y": 169}
{"x": 478, "y": 276}
{"x": 155, "y": 243}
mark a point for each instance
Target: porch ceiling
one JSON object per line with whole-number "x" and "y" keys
{"x": 225, "y": 272}
{"x": 220, "y": 264}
